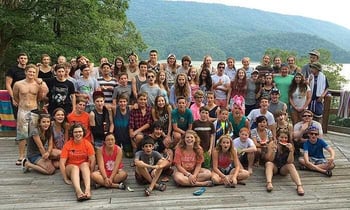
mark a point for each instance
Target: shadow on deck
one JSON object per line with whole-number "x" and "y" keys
{"x": 36, "y": 191}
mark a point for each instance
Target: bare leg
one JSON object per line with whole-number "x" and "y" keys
{"x": 73, "y": 173}
{"x": 251, "y": 157}
{"x": 85, "y": 171}
{"x": 21, "y": 148}
{"x": 269, "y": 171}
{"x": 42, "y": 166}
{"x": 120, "y": 176}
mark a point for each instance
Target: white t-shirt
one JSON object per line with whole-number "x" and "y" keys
{"x": 256, "y": 113}
{"x": 219, "y": 94}
{"x": 299, "y": 98}
{"x": 238, "y": 144}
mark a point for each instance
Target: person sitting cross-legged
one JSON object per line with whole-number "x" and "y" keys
{"x": 149, "y": 165}
{"x": 314, "y": 158}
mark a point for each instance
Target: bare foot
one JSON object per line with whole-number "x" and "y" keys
{"x": 250, "y": 170}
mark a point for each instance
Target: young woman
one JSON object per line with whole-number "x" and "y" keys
{"x": 119, "y": 66}
{"x": 180, "y": 88}
{"x": 162, "y": 82}
{"x": 188, "y": 161}
{"x": 78, "y": 160}
{"x": 227, "y": 169}
{"x": 193, "y": 82}
{"x": 213, "y": 108}
{"x": 299, "y": 97}
{"x": 238, "y": 88}
{"x": 170, "y": 68}
{"x": 282, "y": 124}
{"x": 39, "y": 147}
{"x": 261, "y": 136}
{"x": 266, "y": 87}
{"x": 59, "y": 129}
{"x": 205, "y": 82}
{"x": 279, "y": 159}
{"x": 162, "y": 112}
{"x": 110, "y": 165}
{"x": 207, "y": 64}
{"x": 45, "y": 70}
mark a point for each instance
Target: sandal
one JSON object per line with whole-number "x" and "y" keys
{"x": 122, "y": 186}
{"x": 300, "y": 190}
{"x": 269, "y": 186}
{"x": 147, "y": 191}
{"x": 23, "y": 165}
{"x": 329, "y": 173}
{"x": 161, "y": 187}
{"x": 199, "y": 192}
{"x": 18, "y": 162}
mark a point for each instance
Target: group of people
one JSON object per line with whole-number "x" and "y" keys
{"x": 203, "y": 126}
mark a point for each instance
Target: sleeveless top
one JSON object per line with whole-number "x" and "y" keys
{"x": 102, "y": 124}
{"x": 109, "y": 160}
{"x": 212, "y": 112}
{"x": 121, "y": 126}
{"x": 58, "y": 137}
{"x": 155, "y": 68}
{"x": 164, "y": 120}
{"x": 281, "y": 157}
{"x": 139, "y": 83}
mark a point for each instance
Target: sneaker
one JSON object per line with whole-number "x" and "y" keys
{"x": 122, "y": 186}
{"x": 23, "y": 164}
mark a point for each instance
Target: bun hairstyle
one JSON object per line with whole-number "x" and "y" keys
{"x": 74, "y": 126}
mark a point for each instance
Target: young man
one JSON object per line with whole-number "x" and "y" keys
{"x": 314, "y": 158}
{"x": 245, "y": 148}
{"x": 149, "y": 165}
{"x": 151, "y": 88}
{"x": 206, "y": 132}
{"x": 275, "y": 104}
{"x": 314, "y": 57}
{"x": 122, "y": 89}
{"x": 153, "y": 63}
{"x": 221, "y": 84}
{"x": 263, "y": 110}
{"x": 79, "y": 115}
{"x": 26, "y": 94}
{"x": 181, "y": 119}
{"x": 140, "y": 121}
{"x": 61, "y": 91}
{"x": 86, "y": 86}
{"x": 14, "y": 74}
{"x": 121, "y": 116}
{"x": 101, "y": 120}
{"x": 107, "y": 82}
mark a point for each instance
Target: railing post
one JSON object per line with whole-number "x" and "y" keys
{"x": 327, "y": 106}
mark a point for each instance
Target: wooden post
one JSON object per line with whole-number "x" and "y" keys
{"x": 327, "y": 106}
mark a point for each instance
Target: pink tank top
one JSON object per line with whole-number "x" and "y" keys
{"x": 109, "y": 160}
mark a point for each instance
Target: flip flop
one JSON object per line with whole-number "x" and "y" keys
{"x": 130, "y": 189}
{"x": 199, "y": 192}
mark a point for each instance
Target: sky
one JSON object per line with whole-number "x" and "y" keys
{"x": 335, "y": 11}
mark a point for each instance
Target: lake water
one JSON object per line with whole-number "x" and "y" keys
{"x": 345, "y": 72}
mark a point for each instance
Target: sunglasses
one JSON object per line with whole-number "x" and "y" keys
{"x": 313, "y": 134}
{"x": 150, "y": 76}
{"x": 306, "y": 115}
{"x": 221, "y": 67}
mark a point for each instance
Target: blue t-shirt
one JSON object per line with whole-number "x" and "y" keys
{"x": 183, "y": 120}
{"x": 315, "y": 150}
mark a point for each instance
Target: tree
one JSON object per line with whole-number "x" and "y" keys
{"x": 66, "y": 27}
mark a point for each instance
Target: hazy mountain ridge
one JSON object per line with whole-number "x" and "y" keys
{"x": 198, "y": 29}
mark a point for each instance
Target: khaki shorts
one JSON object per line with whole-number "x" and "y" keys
{"x": 26, "y": 121}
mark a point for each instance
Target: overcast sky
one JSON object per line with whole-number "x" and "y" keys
{"x": 334, "y": 11}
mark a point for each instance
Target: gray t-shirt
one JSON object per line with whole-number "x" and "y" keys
{"x": 151, "y": 159}
{"x": 121, "y": 90}
{"x": 32, "y": 148}
{"x": 152, "y": 93}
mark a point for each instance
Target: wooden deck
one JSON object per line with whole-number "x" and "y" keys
{"x": 36, "y": 191}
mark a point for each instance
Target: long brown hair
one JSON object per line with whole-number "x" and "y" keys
{"x": 196, "y": 147}
{"x": 182, "y": 90}
{"x": 293, "y": 86}
{"x": 231, "y": 150}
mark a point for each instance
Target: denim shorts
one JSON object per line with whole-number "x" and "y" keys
{"x": 34, "y": 159}
{"x": 98, "y": 143}
{"x": 317, "y": 161}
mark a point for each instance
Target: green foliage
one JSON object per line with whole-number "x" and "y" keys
{"x": 66, "y": 27}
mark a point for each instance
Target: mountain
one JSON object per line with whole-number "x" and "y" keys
{"x": 198, "y": 29}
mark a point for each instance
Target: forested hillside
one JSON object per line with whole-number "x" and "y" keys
{"x": 198, "y": 29}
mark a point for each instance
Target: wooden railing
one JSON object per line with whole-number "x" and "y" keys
{"x": 334, "y": 98}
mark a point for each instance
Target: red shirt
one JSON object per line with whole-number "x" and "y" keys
{"x": 109, "y": 160}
